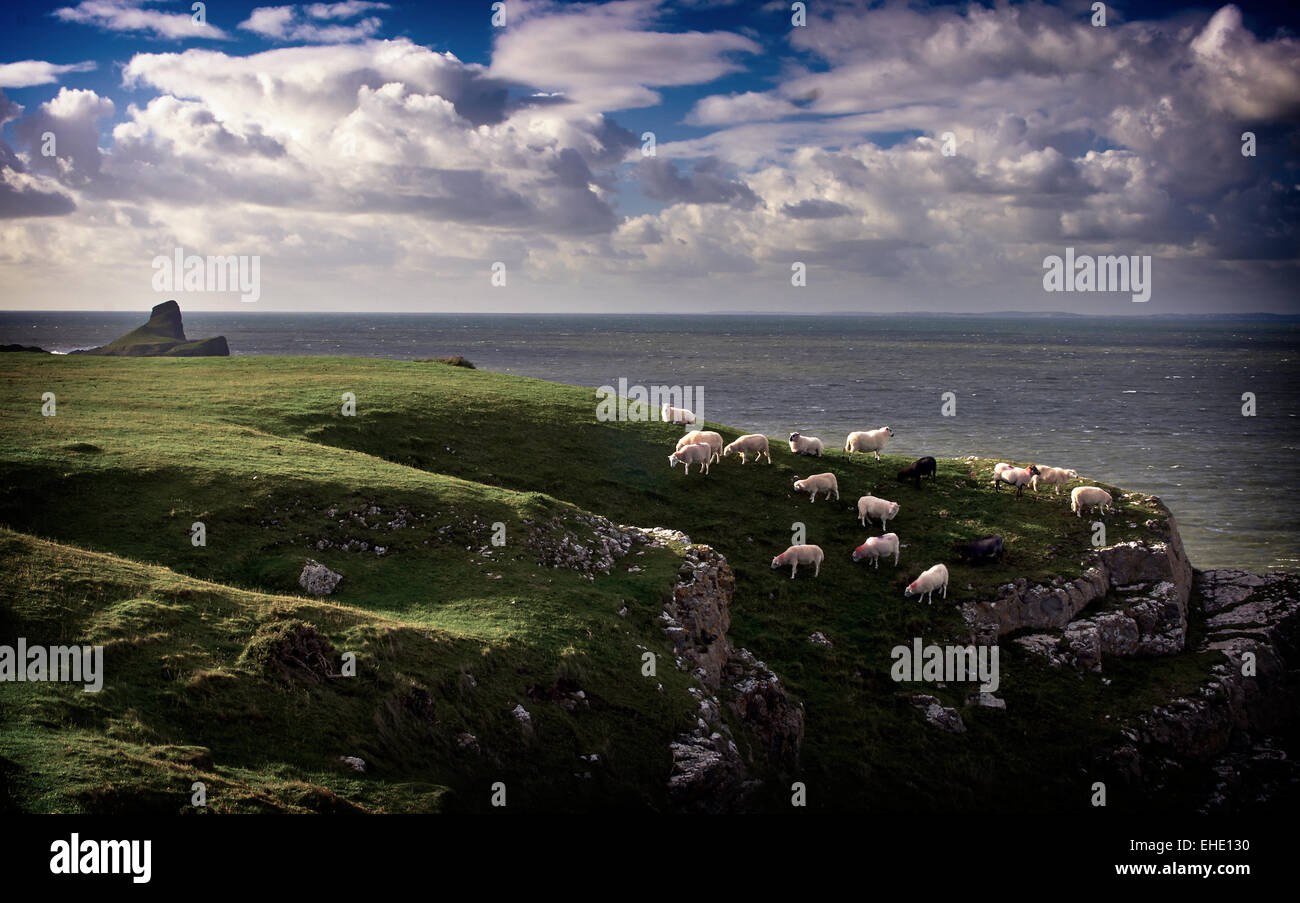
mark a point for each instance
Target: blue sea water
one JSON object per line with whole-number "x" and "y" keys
{"x": 1151, "y": 404}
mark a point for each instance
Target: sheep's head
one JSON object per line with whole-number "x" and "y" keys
{"x": 794, "y": 437}
{"x": 1072, "y": 474}
{"x": 889, "y": 432}
{"x": 673, "y": 459}
{"x": 1033, "y": 470}
{"x": 777, "y": 561}
{"x": 911, "y": 588}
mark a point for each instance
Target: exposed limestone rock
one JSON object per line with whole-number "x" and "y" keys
{"x": 318, "y": 579}
{"x": 1218, "y": 723}
{"x": 942, "y": 717}
{"x": 709, "y": 773}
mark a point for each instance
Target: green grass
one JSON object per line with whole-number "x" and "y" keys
{"x": 99, "y": 502}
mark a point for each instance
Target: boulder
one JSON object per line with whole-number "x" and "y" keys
{"x": 318, "y": 579}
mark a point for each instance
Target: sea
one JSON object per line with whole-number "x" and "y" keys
{"x": 1153, "y": 404}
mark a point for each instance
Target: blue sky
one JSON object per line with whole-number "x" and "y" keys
{"x": 338, "y": 144}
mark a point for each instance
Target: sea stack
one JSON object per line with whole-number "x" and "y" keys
{"x": 162, "y": 336}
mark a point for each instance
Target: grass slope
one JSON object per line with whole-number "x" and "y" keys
{"x": 258, "y": 450}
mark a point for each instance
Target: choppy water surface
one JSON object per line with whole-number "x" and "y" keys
{"x": 1152, "y": 405}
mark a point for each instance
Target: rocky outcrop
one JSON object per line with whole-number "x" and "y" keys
{"x": 162, "y": 336}
{"x": 1122, "y": 568}
{"x": 1224, "y": 726}
{"x": 1140, "y": 591}
{"x": 709, "y": 772}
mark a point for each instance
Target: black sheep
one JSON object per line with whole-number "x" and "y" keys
{"x": 919, "y": 468}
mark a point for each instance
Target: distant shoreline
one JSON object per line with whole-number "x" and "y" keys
{"x": 990, "y": 315}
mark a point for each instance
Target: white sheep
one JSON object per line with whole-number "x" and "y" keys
{"x": 1054, "y": 476}
{"x": 806, "y": 445}
{"x": 871, "y": 507}
{"x": 868, "y": 441}
{"x": 929, "y": 581}
{"x": 749, "y": 444}
{"x": 1089, "y": 497}
{"x": 670, "y": 414}
{"x": 1018, "y": 477}
{"x": 819, "y": 482}
{"x": 877, "y": 546}
{"x": 694, "y": 436}
{"x": 700, "y": 453}
{"x": 797, "y": 555}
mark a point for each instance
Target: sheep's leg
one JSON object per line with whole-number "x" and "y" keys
{"x": 895, "y": 559}
{"x": 794, "y": 567}
{"x": 817, "y": 569}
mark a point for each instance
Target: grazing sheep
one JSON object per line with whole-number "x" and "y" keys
{"x": 876, "y": 546}
{"x": 983, "y": 549}
{"x": 806, "y": 445}
{"x": 1089, "y": 497}
{"x": 929, "y": 581}
{"x": 670, "y": 414}
{"x": 700, "y": 453}
{"x": 694, "y": 436}
{"x": 797, "y": 555}
{"x": 868, "y": 441}
{"x": 1018, "y": 477}
{"x": 1055, "y": 476}
{"x": 819, "y": 482}
{"x": 749, "y": 444}
{"x": 919, "y": 468}
{"x": 871, "y": 507}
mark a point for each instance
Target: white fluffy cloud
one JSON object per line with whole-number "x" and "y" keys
{"x": 608, "y": 57}
{"x": 133, "y": 16}
{"x": 38, "y": 72}
{"x": 303, "y": 23}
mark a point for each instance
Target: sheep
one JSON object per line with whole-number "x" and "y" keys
{"x": 982, "y": 549}
{"x": 797, "y": 555}
{"x": 1055, "y": 476}
{"x": 670, "y": 414}
{"x": 1088, "y": 497}
{"x": 919, "y": 468}
{"x": 806, "y": 445}
{"x": 694, "y": 436}
{"x": 876, "y": 546}
{"x": 868, "y": 441}
{"x": 700, "y": 453}
{"x": 819, "y": 482}
{"x": 1018, "y": 477}
{"x": 929, "y": 581}
{"x": 749, "y": 444}
{"x": 871, "y": 507}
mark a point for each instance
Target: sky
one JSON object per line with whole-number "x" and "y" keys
{"x": 639, "y": 156}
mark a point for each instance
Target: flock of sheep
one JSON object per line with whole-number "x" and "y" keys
{"x": 705, "y": 447}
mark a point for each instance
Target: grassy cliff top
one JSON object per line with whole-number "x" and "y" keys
{"x": 100, "y": 498}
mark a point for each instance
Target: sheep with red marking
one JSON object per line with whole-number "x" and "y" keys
{"x": 797, "y": 555}
{"x": 930, "y": 580}
{"x": 877, "y": 547}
